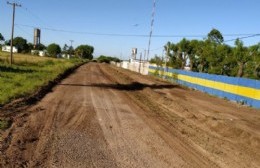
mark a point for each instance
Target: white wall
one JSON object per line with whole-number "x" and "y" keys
{"x": 135, "y": 65}
{"x": 8, "y": 49}
{"x": 42, "y": 53}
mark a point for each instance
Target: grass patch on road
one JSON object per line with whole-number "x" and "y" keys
{"x": 28, "y": 74}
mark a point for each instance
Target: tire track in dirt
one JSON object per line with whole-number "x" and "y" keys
{"x": 198, "y": 123}
{"x": 102, "y": 116}
{"x": 66, "y": 131}
{"x": 131, "y": 148}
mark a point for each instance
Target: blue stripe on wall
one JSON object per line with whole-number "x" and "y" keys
{"x": 219, "y": 78}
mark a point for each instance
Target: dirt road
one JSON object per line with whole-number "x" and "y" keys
{"x": 102, "y": 116}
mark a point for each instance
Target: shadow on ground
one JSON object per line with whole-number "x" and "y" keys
{"x": 14, "y": 69}
{"x": 134, "y": 86}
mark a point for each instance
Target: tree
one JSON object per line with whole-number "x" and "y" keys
{"x": 212, "y": 56}
{"x": 40, "y": 47}
{"x": 2, "y": 37}
{"x": 173, "y": 53}
{"x": 183, "y": 50}
{"x": 71, "y": 50}
{"x": 85, "y": 51}
{"x": 215, "y": 36}
{"x": 8, "y": 42}
{"x": 157, "y": 60}
{"x": 193, "y": 54}
{"x": 241, "y": 56}
{"x": 203, "y": 52}
{"x": 37, "y": 47}
{"x": 107, "y": 59}
{"x": 253, "y": 65}
{"x": 65, "y": 49}
{"x": 224, "y": 61}
{"x": 217, "y": 61}
{"x": 53, "y": 50}
{"x": 30, "y": 46}
{"x": 21, "y": 44}
{"x": 215, "y": 51}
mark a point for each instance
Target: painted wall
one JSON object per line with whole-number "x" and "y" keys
{"x": 246, "y": 91}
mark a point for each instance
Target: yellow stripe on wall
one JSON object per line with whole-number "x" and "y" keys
{"x": 230, "y": 88}
{"x": 234, "y": 89}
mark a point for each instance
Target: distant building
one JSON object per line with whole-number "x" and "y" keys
{"x": 8, "y": 49}
{"x": 68, "y": 56}
{"x": 41, "y": 53}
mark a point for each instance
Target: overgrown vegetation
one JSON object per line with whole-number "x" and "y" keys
{"x": 107, "y": 59}
{"x": 28, "y": 74}
{"x": 212, "y": 56}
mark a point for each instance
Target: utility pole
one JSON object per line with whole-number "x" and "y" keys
{"x": 166, "y": 60}
{"x": 71, "y": 41}
{"x": 151, "y": 32}
{"x": 12, "y": 35}
{"x": 144, "y": 59}
{"x": 140, "y": 61}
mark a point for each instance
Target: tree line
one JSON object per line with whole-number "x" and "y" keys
{"x": 53, "y": 50}
{"x": 212, "y": 56}
{"x": 107, "y": 59}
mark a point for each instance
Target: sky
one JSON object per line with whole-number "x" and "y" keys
{"x": 113, "y": 27}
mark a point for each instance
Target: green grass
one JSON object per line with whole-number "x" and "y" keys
{"x": 28, "y": 74}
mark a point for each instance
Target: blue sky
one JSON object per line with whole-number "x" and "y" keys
{"x": 130, "y": 17}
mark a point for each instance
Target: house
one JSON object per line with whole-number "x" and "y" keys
{"x": 41, "y": 53}
{"x": 8, "y": 49}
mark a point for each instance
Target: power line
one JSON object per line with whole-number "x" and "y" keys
{"x": 249, "y": 36}
{"x": 134, "y": 35}
{"x": 78, "y": 32}
{"x": 19, "y": 27}
{"x": 34, "y": 16}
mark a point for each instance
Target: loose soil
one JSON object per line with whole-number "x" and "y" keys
{"x": 103, "y": 116}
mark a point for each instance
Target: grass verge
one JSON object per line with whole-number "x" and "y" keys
{"x": 28, "y": 74}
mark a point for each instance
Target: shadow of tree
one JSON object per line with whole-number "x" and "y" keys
{"x": 134, "y": 86}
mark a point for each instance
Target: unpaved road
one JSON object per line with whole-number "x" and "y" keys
{"x": 102, "y": 116}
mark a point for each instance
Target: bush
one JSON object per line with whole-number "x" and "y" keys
{"x": 53, "y": 50}
{"x": 107, "y": 59}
